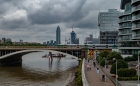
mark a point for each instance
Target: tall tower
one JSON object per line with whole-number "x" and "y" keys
{"x": 58, "y": 38}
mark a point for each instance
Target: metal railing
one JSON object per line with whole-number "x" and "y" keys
{"x": 84, "y": 79}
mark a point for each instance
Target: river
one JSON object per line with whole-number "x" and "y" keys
{"x": 38, "y": 71}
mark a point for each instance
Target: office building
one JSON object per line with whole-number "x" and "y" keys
{"x": 129, "y": 30}
{"x": 108, "y": 25}
{"x": 89, "y": 40}
{"x": 96, "y": 41}
{"x": 58, "y": 36}
{"x": 74, "y": 39}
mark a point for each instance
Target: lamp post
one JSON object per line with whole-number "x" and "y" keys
{"x": 105, "y": 69}
{"x": 116, "y": 70}
{"x": 138, "y": 68}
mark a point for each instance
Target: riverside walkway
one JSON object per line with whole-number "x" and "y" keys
{"x": 94, "y": 78}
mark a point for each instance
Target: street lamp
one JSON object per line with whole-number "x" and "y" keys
{"x": 105, "y": 69}
{"x": 116, "y": 70}
{"x": 138, "y": 68}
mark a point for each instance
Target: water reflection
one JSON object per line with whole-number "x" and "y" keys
{"x": 36, "y": 71}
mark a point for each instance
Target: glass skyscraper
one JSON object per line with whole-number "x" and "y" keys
{"x": 58, "y": 37}
{"x": 74, "y": 39}
{"x": 108, "y": 25}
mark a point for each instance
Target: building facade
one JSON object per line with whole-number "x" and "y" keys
{"x": 129, "y": 30}
{"x": 74, "y": 39}
{"x": 89, "y": 40}
{"x": 58, "y": 36}
{"x": 108, "y": 25}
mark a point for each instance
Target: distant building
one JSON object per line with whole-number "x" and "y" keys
{"x": 89, "y": 40}
{"x": 74, "y": 39}
{"x": 8, "y": 40}
{"x": 96, "y": 41}
{"x": 58, "y": 36}
{"x": 108, "y": 25}
{"x": 3, "y": 40}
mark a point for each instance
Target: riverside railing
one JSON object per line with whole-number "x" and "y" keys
{"x": 84, "y": 79}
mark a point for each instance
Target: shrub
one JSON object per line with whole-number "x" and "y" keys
{"x": 104, "y": 53}
{"x": 114, "y": 54}
{"x": 120, "y": 64}
{"x": 102, "y": 63}
{"x": 126, "y": 72}
{"x": 78, "y": 76}
{"x": 130, "y": 58}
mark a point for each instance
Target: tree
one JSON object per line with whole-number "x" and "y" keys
{"x": 104, "y": 53}
{"x": 115, "y": 55}
{"x": 120, "y": 64}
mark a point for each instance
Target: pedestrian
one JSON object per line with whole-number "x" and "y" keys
{"x": 50, "y": 56}
{"x": 97, "y": 70}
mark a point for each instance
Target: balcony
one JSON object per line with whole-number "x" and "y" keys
{"x": 130, "y": 45}
{"x": 137, "y": 27}
{"x": 126, "y": 13}
{"x": 137, "y": 35}
{"x": 136, "y": 9}
{"x": 125, "y": 20}
{"x": 125, "y": 33}
{"x": 125, "y": 27}
{"x": 134, "y": 1}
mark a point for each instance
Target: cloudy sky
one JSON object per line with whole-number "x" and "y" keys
{"x": 37, "y": 20}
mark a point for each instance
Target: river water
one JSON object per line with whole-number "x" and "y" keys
{"x": 38, "y": 71}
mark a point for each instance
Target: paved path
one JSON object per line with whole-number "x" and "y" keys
{"x": 95, "y": 79}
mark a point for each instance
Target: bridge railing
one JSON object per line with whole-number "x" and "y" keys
{"x": 84, "y": 79}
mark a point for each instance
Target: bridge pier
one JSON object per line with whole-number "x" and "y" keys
{"x": 12, "y": 60}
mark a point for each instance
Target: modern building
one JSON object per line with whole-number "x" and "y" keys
{"x": 58, "y": 36}
{"x": 108, "y": 25}
{"x": 74, "y": 39}
{"x": 3, "y": 40}
{"x": 89, "y": 40}
{"x": 129, "y": 30}
{"x": 96, "y": 41}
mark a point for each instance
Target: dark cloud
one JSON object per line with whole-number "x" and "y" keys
{"x": 39, "y": 18}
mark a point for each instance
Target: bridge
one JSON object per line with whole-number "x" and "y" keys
{"x": 13, "y": 54}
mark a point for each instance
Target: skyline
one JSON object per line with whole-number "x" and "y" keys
{"x": 36, "y": 21}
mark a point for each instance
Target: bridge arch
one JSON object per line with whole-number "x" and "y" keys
{"x": 16, "y": 57}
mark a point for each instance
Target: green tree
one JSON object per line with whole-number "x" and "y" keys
{"x": 120, "y": 64}
{"x": 115, "y": 55}
{"x": 104, "y": 53}
{"x": 102, "y": 63}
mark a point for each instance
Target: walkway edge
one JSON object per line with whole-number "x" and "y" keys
{"x": 84, "y": 79}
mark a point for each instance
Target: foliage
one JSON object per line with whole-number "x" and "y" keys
{"x": 99, "y": 59}
{"x": 126, "y": 72}
{"x": 120, "y": 64}
{"x": 78, "y": 76}
{"x": 128, "y": 78}
{"x": 130, "y": 58}
{"x": 115, "y": 55}
{"x": 104, "y": 53}
{"x": 102, "y": 62}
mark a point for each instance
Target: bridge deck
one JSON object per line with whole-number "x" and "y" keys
{"x": 95, "y": 79}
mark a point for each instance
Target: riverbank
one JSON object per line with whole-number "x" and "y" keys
{"x": 72, "y": 79}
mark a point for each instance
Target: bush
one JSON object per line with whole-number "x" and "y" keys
{"x": 102, "y": 63}
{"x": 114, "y": 54}
{"x": 78, "y": 76}
{"x": 99, "y": 59}
{"x": 120, "y": 64}
{"x": 128, "y": 78}
{"x": 130, "y": 58}
{"x": 126, "y": 72}
{"x": 104, "y": 53}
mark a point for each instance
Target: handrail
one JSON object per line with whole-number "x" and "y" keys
{"x": 84, "y": 79}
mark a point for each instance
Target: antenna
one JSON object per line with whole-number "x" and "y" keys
{"x": 72, "y": 27}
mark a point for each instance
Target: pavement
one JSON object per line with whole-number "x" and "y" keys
{"x": 94, "y": 78}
